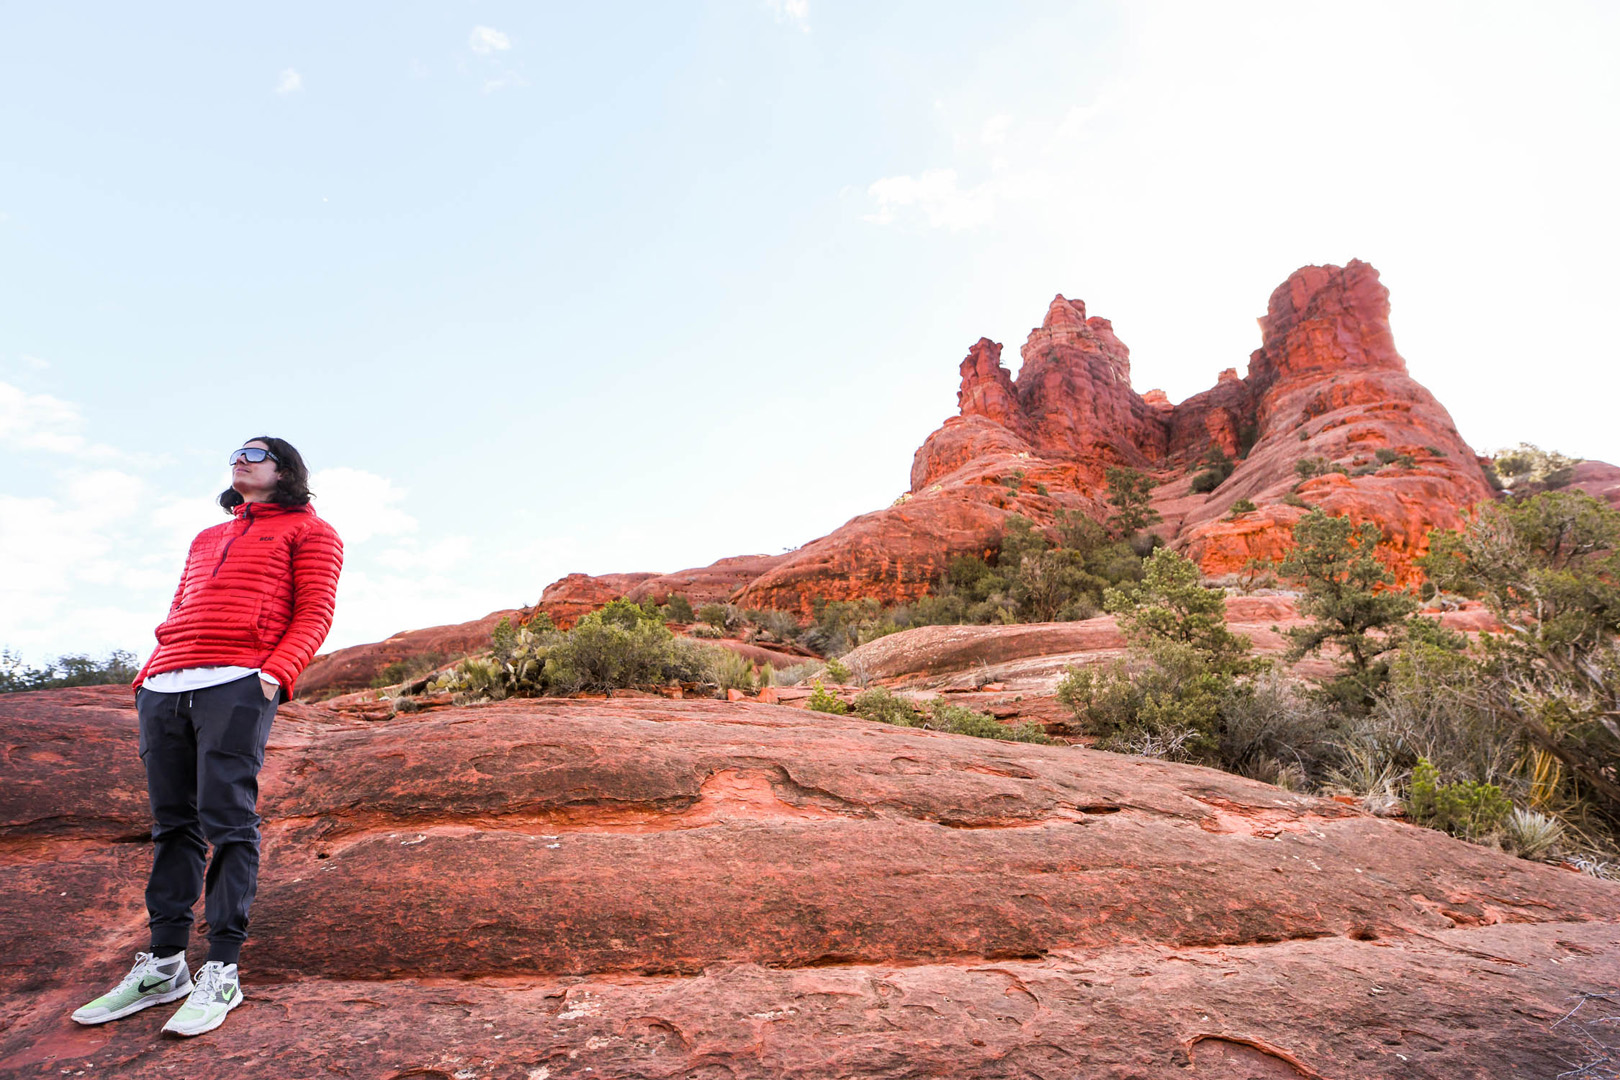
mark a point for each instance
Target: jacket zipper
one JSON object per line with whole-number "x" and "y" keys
{"x": 248, "y": 513}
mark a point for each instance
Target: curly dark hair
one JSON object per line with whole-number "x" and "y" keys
{"x": 292, "y": 476}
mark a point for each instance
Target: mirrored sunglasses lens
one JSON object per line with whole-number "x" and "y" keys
{"x": 251, "y": 454}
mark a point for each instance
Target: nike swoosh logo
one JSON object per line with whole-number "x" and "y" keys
{"x": 230, "y": 992}
{"x": 147, "y": 989}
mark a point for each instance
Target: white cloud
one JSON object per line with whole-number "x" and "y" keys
{"x": 937, "y": 195}
{"x": 793, "y": 12}
{"x": 443, "y": 556}
{"x": 36, "y": 363}
{"x": 289, "y": 82}
{"x": 503, "y": 80}
{"x": 42, "y": 422}
{"x": 994, "y": 131}
{"x": 486, "y": 39}
{"x": 360, "y": 504}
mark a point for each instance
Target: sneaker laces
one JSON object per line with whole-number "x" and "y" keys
{"x": 143, "y": 964}
{"x": 210, "y": 980}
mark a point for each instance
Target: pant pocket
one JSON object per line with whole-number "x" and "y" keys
{"x": 246, "y": 725}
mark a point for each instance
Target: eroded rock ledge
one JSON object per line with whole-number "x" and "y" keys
{"x": 650, "y": 888}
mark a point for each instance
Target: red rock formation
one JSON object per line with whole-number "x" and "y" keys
{"x": 712, "y": 584}
{"x": 655, "y": 889}
{"x": 567, "y": 598}
{"x": 1327, "y": 383}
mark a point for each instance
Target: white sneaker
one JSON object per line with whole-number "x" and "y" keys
{"x": 150, "y": 982}
{"x": 217, "y": 992}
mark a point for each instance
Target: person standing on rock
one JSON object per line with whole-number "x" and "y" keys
{"x": 254, "y": 603}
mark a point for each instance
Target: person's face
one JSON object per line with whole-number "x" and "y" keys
{"x": 254, "y": 481}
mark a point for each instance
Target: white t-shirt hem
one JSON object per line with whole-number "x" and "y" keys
{"x": 198, "y": 678}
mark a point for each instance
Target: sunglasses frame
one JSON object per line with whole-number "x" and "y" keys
{"x": 246, "y": 450}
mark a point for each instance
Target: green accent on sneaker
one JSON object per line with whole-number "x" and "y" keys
{"x": 217, "y": 992}
{"x": 150, "y": 982}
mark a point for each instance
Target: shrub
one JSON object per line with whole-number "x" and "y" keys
{"x": 411, "y": 668}
{"x": 783, "y": 625}
{"x": 961, "y": 720}
{"x": 1386, "y": 456}
{"x": 1270, "y": 731}
{"x": 885, "y": 707}
{"x": 1170, "y": 605}
{"x": 1305, "y": 468}
{"x": 1304, "y": 435}
{"x": 1436, "y": 706}
{"x": 797, "y": 673}
{"x": 1435, "y": 451}
{"x": 1205, "y": 482}
{"x": 600, "y": 655}
{"x": 704, "y": 630}
{"x": 729, "y": 670}
{"x": 1349, "y": 597}
{"x": 822, "y": 701}
{"x": 1546, "y": 566}
{"x": 618, "y": 646}
{"x": 1292, "y": 498}
{"x": 720, "y": 616}
{"x": 1166, "y": 694}
{"x": 1466, "y": 808}
{"x": 837, "y": 671}
{"x": 678, "y": 609}
{"x": 1013, "y": 481}
{"x": 1529, "y": 467}
{"x": 1242, "y": 506}
{"x": 1130, "y": 493}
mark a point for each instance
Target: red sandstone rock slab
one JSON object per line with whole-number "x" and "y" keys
{"x": 1423, "y": 1009}
{"x": 70, "y": 769}
{"x": 617, "y": 855}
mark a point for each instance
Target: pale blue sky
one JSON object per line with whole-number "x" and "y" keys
{"x": 546, "y": 288}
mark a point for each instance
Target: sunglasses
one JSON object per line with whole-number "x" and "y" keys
{"x": 252, "y": 455}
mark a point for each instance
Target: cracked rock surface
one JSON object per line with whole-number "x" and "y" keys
{"x": 649, "y": 888}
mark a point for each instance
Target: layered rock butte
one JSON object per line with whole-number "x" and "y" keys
{"x": 1326, "y": 382}
{"x": 540, "y": 890}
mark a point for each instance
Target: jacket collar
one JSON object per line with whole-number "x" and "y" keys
{"x": 270, "y": 508}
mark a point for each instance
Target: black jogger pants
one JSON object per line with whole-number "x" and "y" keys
{"x": 203, "y": 750}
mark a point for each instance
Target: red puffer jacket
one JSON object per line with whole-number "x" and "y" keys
{"x": 258, "y": 591}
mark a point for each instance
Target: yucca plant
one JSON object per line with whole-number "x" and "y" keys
{"x": 1532, "y": 834}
